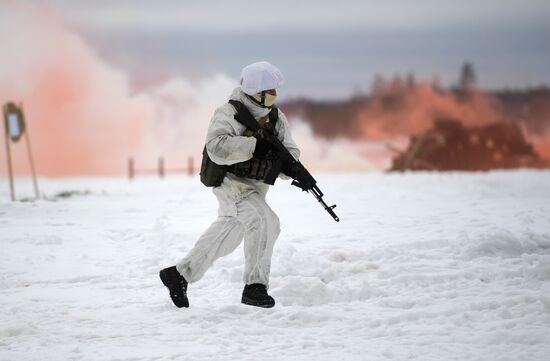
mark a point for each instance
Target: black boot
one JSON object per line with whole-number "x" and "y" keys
{"x": 177, "y": 285}
{"x": 256, "y": 295}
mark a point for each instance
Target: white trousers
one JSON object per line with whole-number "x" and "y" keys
{"x": 256, "y": 222}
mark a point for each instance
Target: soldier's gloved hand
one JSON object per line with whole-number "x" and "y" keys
{"x": 291, "y": 169}
{"x": 259, "y": 134}
{"x": 262, "y": 145}
{"x": 296, "y": 171}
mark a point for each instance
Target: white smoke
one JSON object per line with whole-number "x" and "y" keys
{"x": 337, "y": 155}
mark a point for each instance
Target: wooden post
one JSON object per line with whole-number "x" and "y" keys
{"x": 131, "y": 170}
{"x": 31, "y": 158}
{"x": 161, "y": 167}
{"x": 8, "y": 154}
{"x": 190, "y": 166}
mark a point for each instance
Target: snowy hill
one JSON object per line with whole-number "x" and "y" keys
{"x": 421, "y": 267}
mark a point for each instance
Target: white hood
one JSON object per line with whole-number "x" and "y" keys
{"x": 260, "y": 76}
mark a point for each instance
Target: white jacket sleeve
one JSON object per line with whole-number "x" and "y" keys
{"x": 224, "y": 144}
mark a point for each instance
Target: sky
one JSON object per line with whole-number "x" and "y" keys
{"x": 326, "y": 49}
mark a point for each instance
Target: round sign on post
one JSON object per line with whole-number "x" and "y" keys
{"x": 15, "y": 122}
{"x": 15, "y": 128}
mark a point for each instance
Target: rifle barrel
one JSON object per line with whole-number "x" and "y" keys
{"x": 319, "y": 196}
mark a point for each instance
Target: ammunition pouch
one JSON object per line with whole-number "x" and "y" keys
{"x": 212, "y": 174}
{"x": 255, "y": 168}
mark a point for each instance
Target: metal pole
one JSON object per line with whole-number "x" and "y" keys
{"x": 31, "y": 158}
{"x": 161, "y": 167}
{"x": 131, "y": 171}
{"x": 8, "y": 154}
{"x": 190, "y": 166}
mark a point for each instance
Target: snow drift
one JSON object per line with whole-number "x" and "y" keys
{"x": 421, "y": 267}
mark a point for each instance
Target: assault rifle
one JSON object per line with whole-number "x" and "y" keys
{"x": 284, "y": 162}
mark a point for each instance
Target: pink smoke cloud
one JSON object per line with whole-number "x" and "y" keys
{"x": 81, "y": 114}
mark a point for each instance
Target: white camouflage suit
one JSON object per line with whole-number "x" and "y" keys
{"x": 243, "y": 211}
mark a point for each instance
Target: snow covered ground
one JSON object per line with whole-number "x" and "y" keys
{"x": 421, "y": 267}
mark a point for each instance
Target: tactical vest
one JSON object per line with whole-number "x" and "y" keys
{"x": 257, "y": 167}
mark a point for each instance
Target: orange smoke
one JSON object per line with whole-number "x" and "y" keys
{"x": 397, "y": 110}
{"x": 413, "y": 110}
{"x": 542, "y": 145}
{"x": 407, "y": 111}
{"x": 81, "y": 115}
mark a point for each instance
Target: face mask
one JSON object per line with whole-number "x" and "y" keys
{"x": 268, "y": 100}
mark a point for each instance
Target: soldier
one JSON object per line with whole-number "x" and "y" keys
{"x": 235, "y": 161}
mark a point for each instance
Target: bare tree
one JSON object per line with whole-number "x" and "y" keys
{"x": 467, "y": 77}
